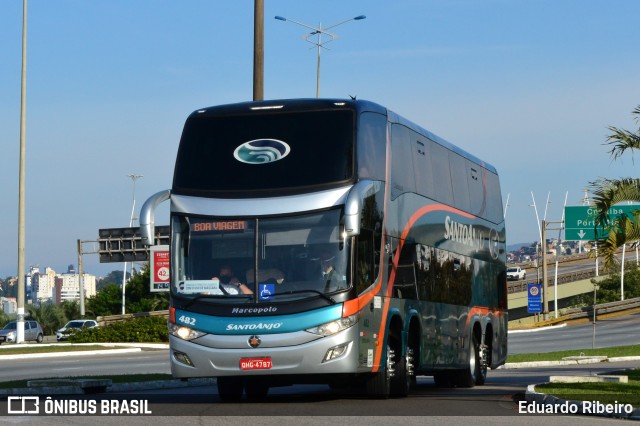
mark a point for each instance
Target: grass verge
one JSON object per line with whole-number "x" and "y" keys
{"x": 606, "y": 393}
{"x": 616, "y": 351}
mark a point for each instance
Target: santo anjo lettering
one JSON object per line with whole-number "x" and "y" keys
{"x": 226, "y": 226}
{"x": 463, "y": 234}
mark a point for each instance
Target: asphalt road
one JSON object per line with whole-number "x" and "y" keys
{"x": 616, "y": 331}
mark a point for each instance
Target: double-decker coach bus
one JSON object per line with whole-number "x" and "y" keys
{"x": 364, "y": 250}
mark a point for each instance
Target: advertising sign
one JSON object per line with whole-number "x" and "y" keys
{"x": 159, "y": 268}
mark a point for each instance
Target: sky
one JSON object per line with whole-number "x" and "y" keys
{"x": 530, "y": 86}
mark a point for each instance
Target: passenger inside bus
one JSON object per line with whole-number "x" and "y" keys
{"x": 229, "y": 283}
{"x": 266, "y": 275}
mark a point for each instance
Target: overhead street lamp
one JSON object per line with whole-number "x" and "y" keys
{"x": 319, "y": 31}
{"x": 133, "y": 178}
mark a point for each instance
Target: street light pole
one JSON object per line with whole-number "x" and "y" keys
{"x": 319, "y": 31}
{"x": 133, "y": 178}
{"x": 258, "y": 50}
{"x": 21, "y": 184}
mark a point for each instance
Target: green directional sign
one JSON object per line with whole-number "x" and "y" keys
{"x": 580, "y": 221}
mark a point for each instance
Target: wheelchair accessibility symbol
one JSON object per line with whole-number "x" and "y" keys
{"x": 265, "y": 291}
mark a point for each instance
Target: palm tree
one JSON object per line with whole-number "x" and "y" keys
{"x": 608, "y": 192}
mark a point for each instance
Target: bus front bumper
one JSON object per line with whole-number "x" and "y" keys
{"x": 334, "y": 354}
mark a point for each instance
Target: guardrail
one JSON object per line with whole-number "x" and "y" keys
{"x": 518, "y": 286}
{"x": 110, "y": 319}
{"x": 601, "y": 309}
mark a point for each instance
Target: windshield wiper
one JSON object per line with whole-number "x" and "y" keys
{"x": 217, "y": 296}
{"x": 321, "y": 294}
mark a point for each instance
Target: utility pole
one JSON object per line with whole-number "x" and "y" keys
{"x": 258, "y": 50}
{"x": 21, "y": 183}
{"x": 81, "y": 272}
{"x": 545, "y": 298}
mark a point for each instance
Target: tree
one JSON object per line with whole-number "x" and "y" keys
{"x": 608, "y": 192}
{"x": 138, "y": 297}
{"x": 107, "y": 301}
{"x": 71, "y": 309}
{"x": 50, "y": 316}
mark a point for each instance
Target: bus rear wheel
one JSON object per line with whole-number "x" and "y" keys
{"x": 476, "y": 372}
{"x": 403, "y": 378}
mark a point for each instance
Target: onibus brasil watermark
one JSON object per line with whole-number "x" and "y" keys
{"x": 35, "y": 405}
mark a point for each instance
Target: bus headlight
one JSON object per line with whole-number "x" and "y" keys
{"x": 334, "y": 327}
{"x": 184, "y": 333}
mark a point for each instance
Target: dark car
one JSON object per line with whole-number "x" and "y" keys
{"x": 32, "y": 331}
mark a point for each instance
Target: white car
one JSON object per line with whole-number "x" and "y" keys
{"x": 516, "y": 273}
{"x": 73, "y": 326}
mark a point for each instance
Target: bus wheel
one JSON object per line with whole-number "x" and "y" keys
{"x": 475, "y": 373}
{"x": 378, "y": 385}
{"x": 403, "y": 377}
{"x": 443, "y": 380}
{"x": 230, "y": 388}
{"x": 256, "y": 388}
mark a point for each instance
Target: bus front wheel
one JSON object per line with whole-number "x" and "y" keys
{"x": 378, "y": 385}
{"x": 230, "y": 388}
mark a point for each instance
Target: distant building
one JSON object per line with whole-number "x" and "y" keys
{"x": 56, "y": 288}
{"x": 9, "y": 305}
{"x": 67, "y": 287}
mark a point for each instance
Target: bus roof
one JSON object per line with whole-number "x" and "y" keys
{"x": 311, "y": 104}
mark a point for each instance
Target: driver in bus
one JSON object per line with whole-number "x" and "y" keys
{"x": 229, "y": 283}
{"x": 330, "y": 276}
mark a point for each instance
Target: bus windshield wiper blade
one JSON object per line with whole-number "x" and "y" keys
{"x": 216, "y": 297}
{"x": 321, "y": 294}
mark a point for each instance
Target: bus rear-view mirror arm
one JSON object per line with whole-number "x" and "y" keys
{"x": 147, "y": 216}
{"x": 353, "y": 206}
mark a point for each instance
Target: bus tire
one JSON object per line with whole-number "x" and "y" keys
{"x": 403, "y": 378}
{"x": 443, "y": 380}
{"x": 475, "y": 373}
{"x": 378, "y": 385}
{"x": 256, "y": 388}
{"x": 230, "y": 388}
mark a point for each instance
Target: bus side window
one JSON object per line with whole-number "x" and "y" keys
{"x": 440, "y": 163}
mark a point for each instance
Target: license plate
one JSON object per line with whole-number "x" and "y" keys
{"x": 255, "y": 363}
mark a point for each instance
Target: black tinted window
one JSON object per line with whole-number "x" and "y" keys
{"x": 265, "y": 151}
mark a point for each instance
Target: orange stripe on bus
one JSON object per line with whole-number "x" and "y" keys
{"x": 396, "y": 257}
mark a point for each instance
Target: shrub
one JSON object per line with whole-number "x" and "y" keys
{"x": 146, "y": 329}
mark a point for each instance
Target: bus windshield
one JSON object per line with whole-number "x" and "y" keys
{"x": 296, "y": 257}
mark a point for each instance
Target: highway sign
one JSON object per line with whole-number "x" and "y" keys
{"x": 580, "y": 221}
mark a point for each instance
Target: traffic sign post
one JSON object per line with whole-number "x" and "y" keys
{"x": 580, "y": 221}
